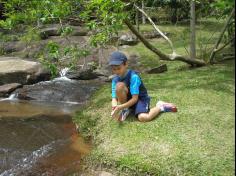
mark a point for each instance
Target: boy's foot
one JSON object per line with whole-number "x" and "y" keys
{"x": 166, "y": 107}
{"x": 124, "y": 114}
{"x": 117, "y": 115}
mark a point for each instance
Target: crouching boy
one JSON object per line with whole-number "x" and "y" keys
{"x": 130, "y": 94}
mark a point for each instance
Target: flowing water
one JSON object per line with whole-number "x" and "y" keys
{"x": 37, "y": 138}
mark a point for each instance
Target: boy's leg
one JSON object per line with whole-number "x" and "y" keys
{"x": 166, "y": 107}
{"x": 121, "y": 92}
{"x": 122, "y": 97}
{"x": 146, "y": 117}
{"x": 160, "y": 107}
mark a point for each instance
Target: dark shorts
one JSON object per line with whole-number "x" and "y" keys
{"x": 142, "y": 106}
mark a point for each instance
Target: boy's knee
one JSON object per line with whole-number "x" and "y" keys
{"x": 143, "y": 118}
{"x": 120, "y": 87}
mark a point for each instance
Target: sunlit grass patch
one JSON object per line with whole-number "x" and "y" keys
{"x": 197, "y": 140}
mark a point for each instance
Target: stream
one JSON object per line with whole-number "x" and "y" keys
{"x": 40, "y": 138}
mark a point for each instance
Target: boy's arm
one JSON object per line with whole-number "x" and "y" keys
{"x": 114, "y": 103}
{"x": 129, "y": 103}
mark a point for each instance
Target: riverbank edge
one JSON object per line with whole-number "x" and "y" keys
{"x": 86, "y": 127}
{"x": 93, "y": 119}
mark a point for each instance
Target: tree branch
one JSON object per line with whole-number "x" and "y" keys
{"x": 221, "y": 36}
{"x": 157, "y": 29}
{"x": 162, "y": 55}
{"x": 226, "y": 44}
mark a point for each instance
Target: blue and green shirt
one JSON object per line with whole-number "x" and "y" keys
{"x": 133, "y": 83}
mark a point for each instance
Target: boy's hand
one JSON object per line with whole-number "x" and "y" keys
{"x": 115, "y": 110}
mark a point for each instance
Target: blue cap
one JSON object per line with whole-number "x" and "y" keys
{"x": 117, "y": 58}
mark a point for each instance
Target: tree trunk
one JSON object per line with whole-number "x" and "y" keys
{"x": 221, "y": 36}
{"x": 162, "y": 55}
{"x": 137, "y": 19}
{"x": 143, "y": 16}
{"x": 193, "y": 31}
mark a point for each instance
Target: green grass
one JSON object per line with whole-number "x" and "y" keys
{"x": 198, "y": 140}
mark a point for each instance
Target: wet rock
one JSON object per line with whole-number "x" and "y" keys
{"x": 160, "y": 69}
{"x": 58, "y": 90}
{"x": 6, "y": 89}
{"x": 17, "y": 70}
{"x": 103, "y": 72}
{"x": 86, "y": 74}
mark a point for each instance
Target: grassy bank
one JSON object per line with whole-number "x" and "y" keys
{"x": 197, "y": 140}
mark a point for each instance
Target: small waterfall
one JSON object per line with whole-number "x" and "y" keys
{"x": 11, "y": 97}
{"x": 63, "y": 73}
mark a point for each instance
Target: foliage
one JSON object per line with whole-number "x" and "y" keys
{"x": 33, "y": 14}
{"x": 223, "y": 7}
{"x": 178, "y": 10}
{"x": 103, "y": 17}
{"x": 56, "y": 58}
{"x": 31, "y": 35}
{"x": 33, "y": 11}
{"x": 109, "y": 19}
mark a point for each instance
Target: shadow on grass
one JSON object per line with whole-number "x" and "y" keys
{"x": 218, "y": 78}
{"x": 133, "y": 118}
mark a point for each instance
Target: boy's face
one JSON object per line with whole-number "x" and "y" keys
{"x": 119, "y": 70}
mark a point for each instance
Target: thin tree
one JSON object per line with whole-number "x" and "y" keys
{"x": 193, "y": 30}
{"x": 143, "y": 16}
{"x": 216, "y": 49}
{"x": 163, "y": 56}
{"x": 137, "y": 19}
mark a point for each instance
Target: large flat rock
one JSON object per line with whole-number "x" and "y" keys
{"x": 14, "y": 65}
{"x": 17, "y": 70}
